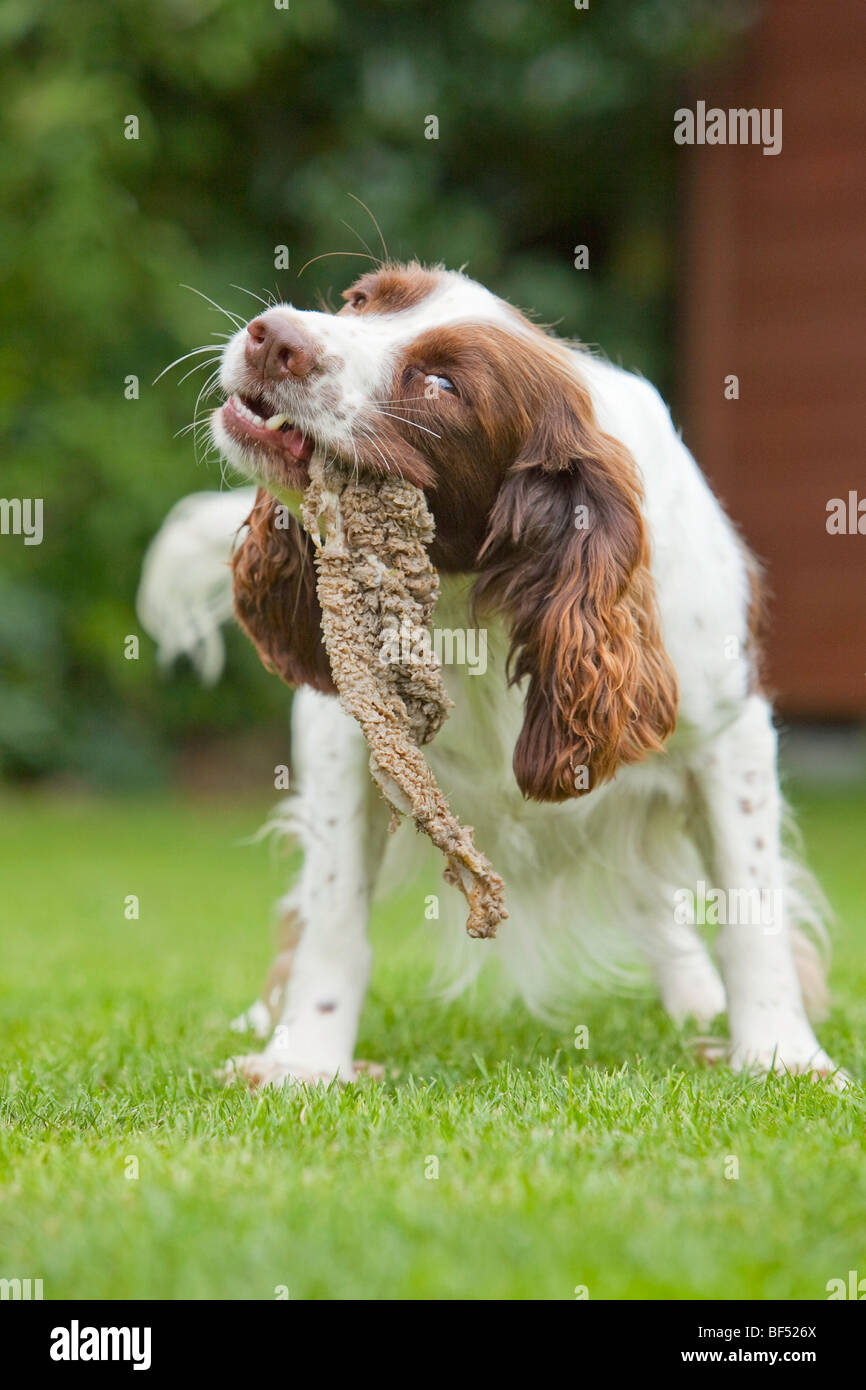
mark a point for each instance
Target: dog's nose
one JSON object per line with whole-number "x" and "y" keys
{"x": 278, "y": 348}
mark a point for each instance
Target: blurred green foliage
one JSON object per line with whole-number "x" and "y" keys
{"x": 255, "y": 124}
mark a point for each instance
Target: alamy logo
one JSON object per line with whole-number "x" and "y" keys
{"x": 20, "y": 1289}
{"x": 76, "y": 1343}
{"x": 847, "y": 516}
{"x": 738, "y": 125}
{"x": 855, "y": 1288}
{"x": 445, "y": 646}
{"x": 22, "y": 516}
{"x": 731, "y": 907}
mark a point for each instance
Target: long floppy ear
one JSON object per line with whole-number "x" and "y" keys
{"x": 567, "y": 560}
{"x": 275, "y": 595}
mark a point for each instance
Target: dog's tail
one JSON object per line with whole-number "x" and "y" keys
{"x": 185, "y": 593}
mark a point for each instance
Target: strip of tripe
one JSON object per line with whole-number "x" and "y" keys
{"x": 374, "y": 577}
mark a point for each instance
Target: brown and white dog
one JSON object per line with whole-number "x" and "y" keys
{"x": 616, "y": 755}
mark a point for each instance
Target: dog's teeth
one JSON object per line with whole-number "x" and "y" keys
{"x": 247, "y": 414}
{"x": 276, "y": 422}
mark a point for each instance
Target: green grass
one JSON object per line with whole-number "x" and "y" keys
{"x": 556, "y": 1168}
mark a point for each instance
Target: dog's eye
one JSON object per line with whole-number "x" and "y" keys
{"x": 357, "y": 301}
{"x": 433, "y": 384}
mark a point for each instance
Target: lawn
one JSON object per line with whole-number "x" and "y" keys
{"x": 126, "y": 1171}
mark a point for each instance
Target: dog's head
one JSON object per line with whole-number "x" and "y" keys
{"x": 428, "y": 375}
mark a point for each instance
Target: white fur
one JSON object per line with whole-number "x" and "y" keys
{"x": 591, "y": 882}
{"x": 185, "y": 593}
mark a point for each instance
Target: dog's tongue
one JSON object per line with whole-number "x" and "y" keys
{"x": 299, "y": 445}
{"x": 293, "y": 440}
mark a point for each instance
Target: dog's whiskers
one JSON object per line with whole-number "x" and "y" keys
{"x": 389, "y": 462}
{"x": 206, "y": 347}
{"x": 413, "y": 423}
{"x": 253, "y": 295}
{"x": 197, "y": 368}
{"x": 232, "y": 318}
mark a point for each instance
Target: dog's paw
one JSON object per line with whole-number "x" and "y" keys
{"x": 258, "y": 1070}
{"x": 697, "y": 996}
{"x": 762, "y": 1060}
{"x": 798, "y": 1058}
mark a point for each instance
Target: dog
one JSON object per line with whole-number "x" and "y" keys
{"x": 617, "y": 756}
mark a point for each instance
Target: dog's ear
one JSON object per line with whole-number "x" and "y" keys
{"x": 566, "y": 559}
{"x": 275, "y": 595}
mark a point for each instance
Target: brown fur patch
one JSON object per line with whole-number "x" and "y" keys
{"x": 567, "y": 560}
{"x": 275, "y": 596}
{"x": 391, "y": 289}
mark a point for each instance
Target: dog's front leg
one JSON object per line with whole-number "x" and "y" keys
{"x": 769, "y": 1027}
{"x": 341, "y": 820}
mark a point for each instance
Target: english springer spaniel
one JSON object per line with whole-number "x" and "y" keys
{"x": 616, "y": 756}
